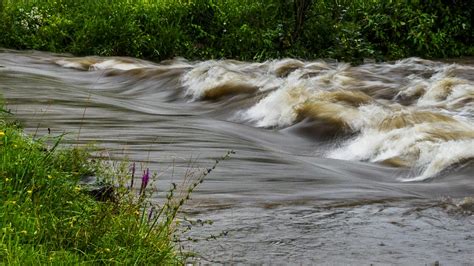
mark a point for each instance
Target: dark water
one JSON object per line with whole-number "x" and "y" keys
{"x": 333, "y": 163}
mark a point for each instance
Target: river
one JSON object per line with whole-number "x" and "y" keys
{"x": 333, "y": 163}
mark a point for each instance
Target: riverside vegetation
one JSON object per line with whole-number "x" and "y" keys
{"x": 241, "y": 29}
{"x": 48, "y": 216}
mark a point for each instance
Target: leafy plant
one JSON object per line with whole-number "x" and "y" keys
{"x": 245, "y": 30}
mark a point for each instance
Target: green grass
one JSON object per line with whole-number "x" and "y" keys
{"x": 47, "y": 216}
{"x": 240, "y": 29}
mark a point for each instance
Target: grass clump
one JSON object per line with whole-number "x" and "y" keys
{"x": 47, "y": 216}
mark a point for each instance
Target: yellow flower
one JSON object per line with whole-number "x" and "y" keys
{"x": 2, "y": 133}
{"x": 50, "y": 177}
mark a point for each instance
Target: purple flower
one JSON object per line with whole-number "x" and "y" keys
{"x": 145, "y": 179}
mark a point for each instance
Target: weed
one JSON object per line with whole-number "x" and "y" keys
{"x": 48, "y": 217}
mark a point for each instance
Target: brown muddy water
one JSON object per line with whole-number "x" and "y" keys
{"x": 334, "y": 164}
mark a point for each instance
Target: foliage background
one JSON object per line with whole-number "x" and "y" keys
{"x": 349, "y": 30}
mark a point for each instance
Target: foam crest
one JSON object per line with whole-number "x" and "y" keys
{"x": 445, "y": 155}
{"x": 337, "y": 108}
{"x": 439, "y": 90}
{"x": 214, "y": 79}
{"x": 427, "y": 145}
{"x": 93, "y": 63}
{"x": 76, "y": 63}
{"x": 305, "y": 95}
{"x": 282, "y": 68}
{"x": 278, "y": 108}
{"x": 444, "y": 89}
{"x": 116, "y": 64}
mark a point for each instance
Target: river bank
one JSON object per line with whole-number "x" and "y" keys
{"x": 49, "y": 216}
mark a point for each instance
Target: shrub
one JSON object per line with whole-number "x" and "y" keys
{"x": 246, "y": 30}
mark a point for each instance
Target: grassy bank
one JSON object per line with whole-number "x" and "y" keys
{"x": 241, "y": 29}
{"x": 47, "y": 216}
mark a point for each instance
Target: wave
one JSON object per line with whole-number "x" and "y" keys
{"x": 412, "y": 113}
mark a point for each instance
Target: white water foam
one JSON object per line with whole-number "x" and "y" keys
{"x": 419, "y": 113}
{"x": 208, "y": 75}
{"x": 116, "y": 64}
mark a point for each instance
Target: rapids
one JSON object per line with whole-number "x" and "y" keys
{"x": 334, "y": 163}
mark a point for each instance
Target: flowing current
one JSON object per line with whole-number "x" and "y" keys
{"x": 334, "y": 163}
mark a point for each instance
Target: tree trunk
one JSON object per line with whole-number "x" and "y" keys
{"x": 301, "y": 7}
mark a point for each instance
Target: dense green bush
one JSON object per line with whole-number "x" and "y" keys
{"x": 241, "y": 29}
